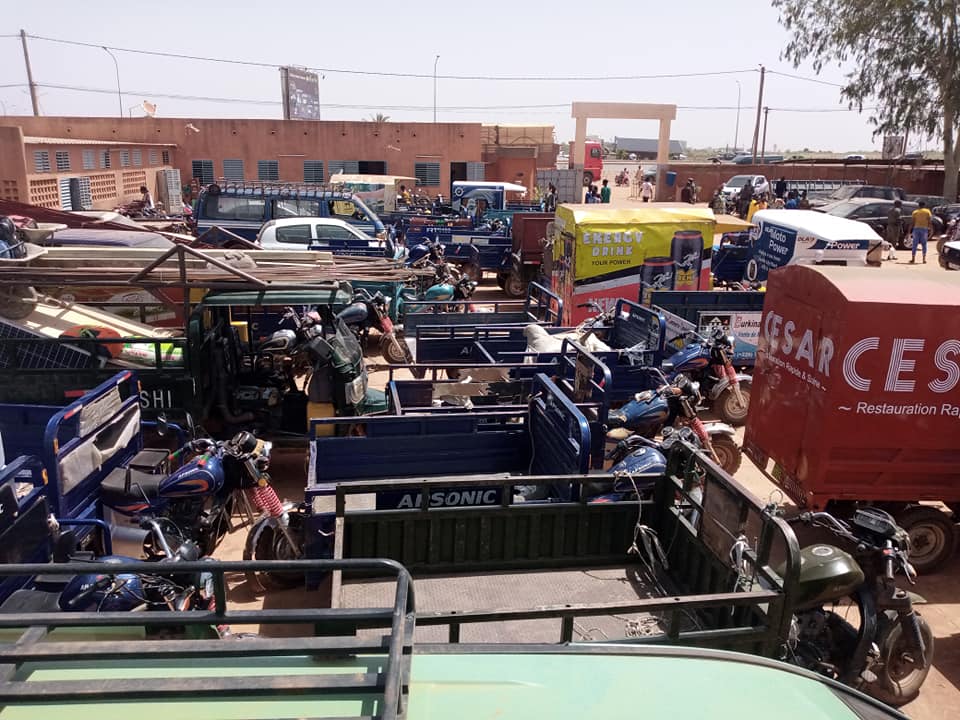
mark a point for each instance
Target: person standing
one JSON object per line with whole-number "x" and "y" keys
{"x": 686, "y": 194}
{"x": 718, "y": 203}
{"x": 550, "y": 201}
{"x": 804, "y": 203}
{"x": 605, "y": 192}
{"x": 921, "y": 230}
{"x": 646, "y": 190}
{"x": 780, "y": 189}
{"x": 746, "y": 197}
{"x": 893, "y": 232}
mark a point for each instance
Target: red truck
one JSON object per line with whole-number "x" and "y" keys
{"x": 856, "y": 396}
{"x": 592, "y": 162}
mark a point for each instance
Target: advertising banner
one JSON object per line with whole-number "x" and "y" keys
{"x": 301, "y": 94}
{"x": 601, "y": 260}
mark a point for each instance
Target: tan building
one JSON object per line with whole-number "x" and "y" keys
{"x": 38, "y": 154}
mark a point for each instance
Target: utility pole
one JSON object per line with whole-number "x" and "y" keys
{"x": 763, "y": 146}
{"x": 756, "y": 128}
{"x": 436, "y": 60}
{"x": 30, "y": 82}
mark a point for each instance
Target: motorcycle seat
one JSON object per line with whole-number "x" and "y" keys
{"x": 125, "y": 484}
{"x": 31, "y": 601}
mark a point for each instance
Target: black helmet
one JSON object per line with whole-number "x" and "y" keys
{"x": 244, "y": 442}
{"x": 8, "y": 231}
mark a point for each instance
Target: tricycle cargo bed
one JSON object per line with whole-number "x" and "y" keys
{"x": 539, "y": 565}
{"x": 855, "y": 393}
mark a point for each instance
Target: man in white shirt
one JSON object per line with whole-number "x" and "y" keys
{"x": 646, "y": 191}
{"x": 145, "y": 198}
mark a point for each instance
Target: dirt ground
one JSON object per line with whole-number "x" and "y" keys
{"x": 940, "y": 696}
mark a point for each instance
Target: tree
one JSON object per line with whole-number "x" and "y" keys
{"x": 379, "y": 118}
{"x": 903, "y": 56}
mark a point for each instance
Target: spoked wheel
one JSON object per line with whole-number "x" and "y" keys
{"x": 395, "y": 350}
{"x": 728, "y": 453}
{"x": 17, "y": 301}
{"x": 730, "y": 409}
{"x": 900, "y": 672}
{"x": 931, "y": 536}
{"x": 268, "y": 541}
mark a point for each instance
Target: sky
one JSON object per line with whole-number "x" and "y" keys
{"x": 489, "y": 39}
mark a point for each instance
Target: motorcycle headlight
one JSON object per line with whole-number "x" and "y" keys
{"x": 731, "y": 341}
{"x": 356, "y": 389}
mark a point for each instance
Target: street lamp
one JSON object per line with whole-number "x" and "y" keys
{"x": 435, "y": 87}
{"x": 116, "y": 67}
{"x": 736, "y": 132}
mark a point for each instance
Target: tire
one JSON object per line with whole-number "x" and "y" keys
{"x": 395, "y": 350}
{"x": 906, "y": 242}
{"x": 728, "y": 453}
{"x": 587, "y": 179}
{"x": 729, "y": 410}
{"x": 265, "y": 541}
{"x": 941, "y": 243}
{"x": 514, "y": 286}
{"x": 932, "y": 538}
{"x": 501, "y": 280}
{"x": 899, "y": 680}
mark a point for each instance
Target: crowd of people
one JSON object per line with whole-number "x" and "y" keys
{"x": 750, "y": 200}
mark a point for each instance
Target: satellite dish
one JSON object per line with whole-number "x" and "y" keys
{"x": 149, "y": 108}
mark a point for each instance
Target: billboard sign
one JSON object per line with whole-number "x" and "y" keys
{"x": 301, "y": 94}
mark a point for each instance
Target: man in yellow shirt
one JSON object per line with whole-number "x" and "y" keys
{"x": 921, "y": 230}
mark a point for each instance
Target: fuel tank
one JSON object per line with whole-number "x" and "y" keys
{"x": 826, "y": 574}
{"x": 441, "y": 291}
{"x": 694, "y": 356}
{"x": 200, "y": 476}
{"x": 644, "y": 415}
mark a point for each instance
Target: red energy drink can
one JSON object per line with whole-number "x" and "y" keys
{"x": 686, "y": 251}
{"x": 656, "y": 274}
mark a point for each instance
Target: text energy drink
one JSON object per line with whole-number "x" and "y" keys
{"x": 686, "y": 251}
{"x": 656, "y": 274}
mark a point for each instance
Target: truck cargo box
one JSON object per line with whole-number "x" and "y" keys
{"x": 856, "y": 389}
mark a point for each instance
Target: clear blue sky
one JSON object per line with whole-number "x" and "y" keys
{"x": 491, "y": 38}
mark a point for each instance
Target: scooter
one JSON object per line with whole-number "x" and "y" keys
{"x": 706, "y": 360}
{"x": 193, "y": 502}
{"x": 673, "y": 404}
{"x": 887, "y": 650}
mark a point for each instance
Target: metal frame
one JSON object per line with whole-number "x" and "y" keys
{"x": 33, "y": 646}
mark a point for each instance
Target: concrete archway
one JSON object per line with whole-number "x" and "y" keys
{"x": 664, "y": 114}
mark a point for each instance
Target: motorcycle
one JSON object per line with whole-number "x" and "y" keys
{"x": 673, "y": 404}
{"x": 165, "y": 589}
{"x": 887, "y": 652}
{"x": 192, "y": 503}
{"x": 622, "y": 179}
{"x": 370, "y": 311}
{"x": 707, "y": 360}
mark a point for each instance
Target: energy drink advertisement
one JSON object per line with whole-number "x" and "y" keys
{"x": 604, "y": 254}
{"x": 686, "y": 252}
{"x": 656, "y": 274}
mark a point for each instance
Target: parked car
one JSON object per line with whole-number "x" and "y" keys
{"x": 873, "y": 212}
{"x": 853, "y": 157}
{"x": 948, "y": 212}
{"x": 849, "y": 192}
{"x": 747, "y": 159}
{"x": 301, "y": 233}
{"x": 732, "y": 187}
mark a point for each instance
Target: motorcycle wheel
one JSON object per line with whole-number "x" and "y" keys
{"x": 729, "y": 409}
{"x": 728, "y": 453}
{"x": 395, "y": 350}
{"x": 899, "y": 675}
{"x": 931, "y": 534}
{"x": 266, "y": 541}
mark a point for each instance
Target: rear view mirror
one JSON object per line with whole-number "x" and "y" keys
{"x": 191, "y": 427}
{"x": 163, "y": 425}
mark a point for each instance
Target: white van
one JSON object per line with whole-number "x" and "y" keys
{"x": 787, "y": 237}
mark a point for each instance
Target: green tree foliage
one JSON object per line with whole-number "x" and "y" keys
{"x": 903, "y": 56}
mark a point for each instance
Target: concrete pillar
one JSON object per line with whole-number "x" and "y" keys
{"x": 579, "y": 145}
{"x": 663, "y": 157}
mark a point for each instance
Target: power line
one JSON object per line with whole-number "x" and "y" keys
{"x": 806, "y": 79}
{"x": 384, "y": 73}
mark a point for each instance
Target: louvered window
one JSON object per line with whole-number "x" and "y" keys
{"x": 313, "y": 171}
{"x": 137, "y": 158}
{"x": 348, "y": 167}
{"x": 124, "y": 158}
{"x": 268, "y": 170}
{"x": 233, "y": 169}
{"x": 203, "y": 171}
{"x": 427, "y": 173}
{"x": 89, "y": 159}
{"x": 41, "y": 161}
{"x": 62, "y": 158}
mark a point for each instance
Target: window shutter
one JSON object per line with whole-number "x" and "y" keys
{"x": 233, "y": 169}
{"x": 268, "y": 170}
{"x": 313, "y": 171}
{"x": 427, "y": 173}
